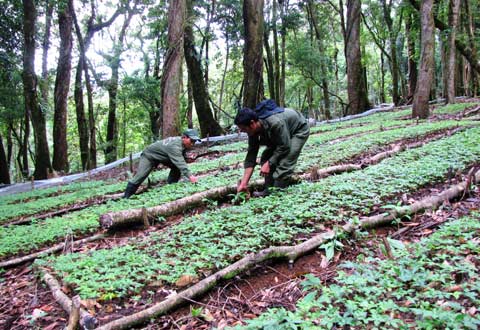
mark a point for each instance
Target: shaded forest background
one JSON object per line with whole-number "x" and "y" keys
{"x": 85, "y": 82}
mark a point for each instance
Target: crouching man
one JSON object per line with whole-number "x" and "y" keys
{"x": 284, "y": 131}
{"x": 169, "y": 152}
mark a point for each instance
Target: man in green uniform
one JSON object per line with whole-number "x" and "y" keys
{"x": 284, "y": 132}
{"x": 169, "y": 152}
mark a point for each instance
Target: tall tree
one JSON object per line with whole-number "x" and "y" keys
{"x": 425, "y": 73}
{"x": 172, "y": 69}
{"x": 112, "y": 86}
{"x": 208, "y": 125}
{"x": 62, "y": 86}
{"x": 454, "y": 6}
{"x": 356, "y": 87}
{"x": 42, "y": 154}
{"x": 252, "y": 58}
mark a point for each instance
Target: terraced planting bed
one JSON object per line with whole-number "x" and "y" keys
{"x": 126, "y": 277}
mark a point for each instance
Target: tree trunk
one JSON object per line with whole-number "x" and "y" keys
{"x": 454, "y": 6}
{"x": 45, "y": 47}
{"x": 62, "y": 86}
{"x": 357, "y": 90}
{"x": 111, "y": 140}
{"x": 208, "y": 125}
{"x": 323, "y": 69}
{"x": 224, "y": 74}
{"x": 252, "y": 57}
{"x": 172, "y": 71}
{"x": 425, "y": 75}
{"x": 276, "y": 52}
{"x": 470, "y": 29}
{"x": 269, "y": 66}
{"x": 412, "y": 64}
{"x": 4, "y": 165}
{"x": 42, "y": 154}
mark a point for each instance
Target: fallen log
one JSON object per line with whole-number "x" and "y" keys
{"x": 291, "y": 253}
{"x": 87, "y": 321}
{"x": 113, "y": 219}
{"x": 55, "y": 248}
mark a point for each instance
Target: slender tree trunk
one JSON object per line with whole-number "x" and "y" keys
{"x": 283, "y": 50}
{"x": 269, "y": 66}
{"x": 189, "y": 103}
{"x": 276, "y": 52}
{"x": 454, "y": 6}
{"x": 252, "y": 58}
{"x": 42, "y": 154}
{"x": 208, "y": 125}
{"x": 45, "y": 47}
{"x": 357, "y": 90}
{"x": 470, "y": 28}
{"x": 382, "y": 78}
{"x": 4, "y": 165}
{"x": 420, "y": 107}
{"x": 62, "y": 86}
{"x": 224, "y": 74}
{"x": 412, "y": 64}
{"x": 323, "y": 67}
{"x": 172, "y": 72}
{"x": 111, "y": 150}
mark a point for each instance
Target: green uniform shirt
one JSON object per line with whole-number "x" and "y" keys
{"x": 278, "y": 129}
{"x": 169, "y": 150}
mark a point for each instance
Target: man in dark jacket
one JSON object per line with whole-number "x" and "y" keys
{"x": 284, "y": 131}
{"x": 169, "y": 152}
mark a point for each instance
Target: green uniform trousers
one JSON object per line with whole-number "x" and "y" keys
{"x": 286, "y": 165}
{"x": 145, "y": 166}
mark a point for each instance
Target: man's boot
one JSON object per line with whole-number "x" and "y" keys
{"x": 130, "y": 190}
{"x": 284, "y": 183}
{"x": 265, "y": 192}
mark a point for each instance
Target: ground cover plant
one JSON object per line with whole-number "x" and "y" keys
{"x": 213, "y": 239}
{"x": 432, "y": 284}
{"x": 30, "y": 237}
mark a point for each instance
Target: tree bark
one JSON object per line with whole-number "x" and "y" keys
{"x": 42, "y": 155}
{"x": 252, "y": 57}
{"x": 172, "y": 70}
{"x": 420, "y": 107}
{"x": 208, "y": 125}
{"x": 356, "y": 88}
{"x": 454, "y": 6}
{"x": 4, "y": 165}
{"x": 45, "y": 47}
{"x": 62, "y": 86}
{"x": 412, "y": 64}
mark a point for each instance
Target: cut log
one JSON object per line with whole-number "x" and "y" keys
{"x": 55, "y": 248}
{"x": 135, "y": 216}
{"x": 87, "y": 321}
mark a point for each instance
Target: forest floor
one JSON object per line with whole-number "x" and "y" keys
{"x": 27, "y": 303}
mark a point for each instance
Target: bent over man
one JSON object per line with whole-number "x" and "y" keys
{"x": 169, "y": 152}
{"x": 284, "y": 131}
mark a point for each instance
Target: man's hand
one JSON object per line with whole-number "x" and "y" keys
{"x": 265, "y": 169}
{"x": 242, "y": 187}
{"x": 193, "y": 179}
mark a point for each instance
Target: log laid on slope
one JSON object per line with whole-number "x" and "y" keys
{"x": 289, "y": 252}
{"x": 55, "y": 248}
{"x": 87, "y": 321}
{"x": 113, "y": 219}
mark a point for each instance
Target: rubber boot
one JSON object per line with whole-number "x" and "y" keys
{"x": 130, "y": 190}
{"x": 265, "y": 192}
{"x": 283, "y": 183}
